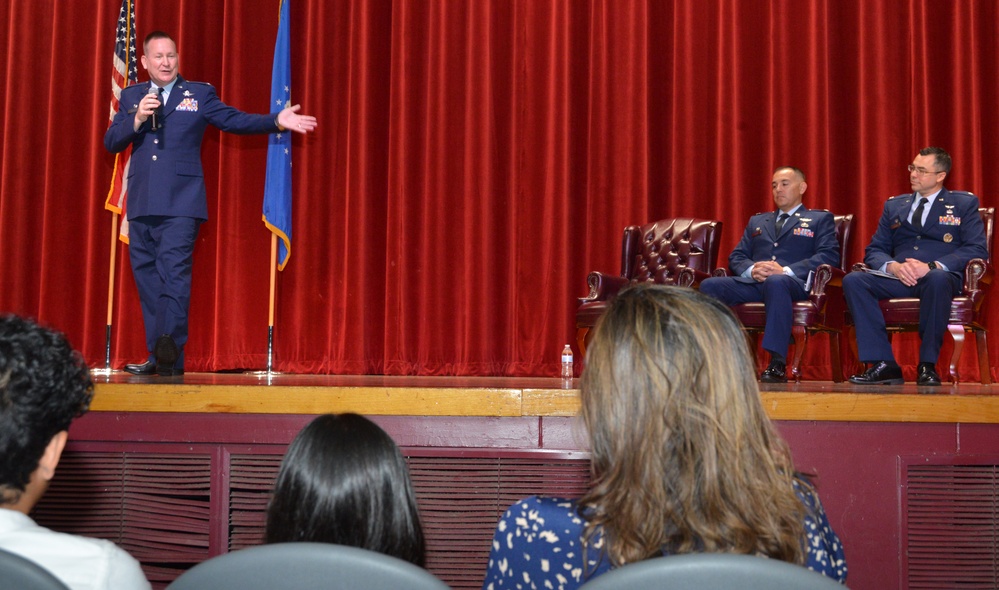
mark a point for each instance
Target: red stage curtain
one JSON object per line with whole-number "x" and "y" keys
{"x": 474, "y": 160}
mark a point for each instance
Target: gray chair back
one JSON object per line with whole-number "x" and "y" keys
{"x": 305, "y": 565}
{"x": 24, "y": 574}
{"x": 712, "y": 571}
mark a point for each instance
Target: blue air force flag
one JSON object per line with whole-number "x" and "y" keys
{"x": 277, "y": 186}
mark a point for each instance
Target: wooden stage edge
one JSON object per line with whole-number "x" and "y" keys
{"x": 375, "y": 395}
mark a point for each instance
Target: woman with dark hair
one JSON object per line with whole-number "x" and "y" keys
{"x": 344, "y": 481}
{"x": 684, "y": 458}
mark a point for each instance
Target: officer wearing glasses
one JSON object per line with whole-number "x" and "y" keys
{"x": 921, "y": 246}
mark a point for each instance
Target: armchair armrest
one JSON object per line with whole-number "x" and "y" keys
{"x": 690, "y": 277}
{"x": 719, "y": 272}
{"x": 827, "y": 283}
{"x": 603, "y": 286}
{"x": 977, "y": 280}
{"x": 858, "y": 267}
{"x": 977, "y": 272}
{"x": 826, "y": 275}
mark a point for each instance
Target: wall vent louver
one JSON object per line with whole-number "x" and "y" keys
{"x": 950, "y": 520}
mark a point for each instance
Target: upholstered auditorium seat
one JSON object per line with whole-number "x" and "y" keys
{"x": 821, "y": 312}
{"x": 966, "y": 310}
{"x": 712, "y": 571}
{"x": 305, "y": 565}
{"x": 658, "y": 252}
{"x": 20, "y": 573}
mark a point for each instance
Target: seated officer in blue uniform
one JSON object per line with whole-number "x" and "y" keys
{"x": 772, "y": 262}
{"x": 922, "y": 244}
{"x": 166, "y": 188}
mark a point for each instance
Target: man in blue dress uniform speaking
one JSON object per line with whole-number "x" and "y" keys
{"x": 164, "y": 121}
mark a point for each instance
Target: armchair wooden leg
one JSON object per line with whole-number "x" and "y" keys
{"x": 851, "y": 335}
{"x": 835, "y": 343}
{"x": 752, "y": 341}
{"x": 984, "y": 368}
{"x": 958, "y": 333}
{"x": 581, "y": 333}
{"x": 800, "y": 336}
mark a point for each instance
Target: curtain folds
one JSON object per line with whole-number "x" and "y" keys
{"x": 474, "y": 160}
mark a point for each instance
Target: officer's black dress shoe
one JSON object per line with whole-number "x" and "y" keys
{"x": 167, "y": 352}
{"x": 880, "y": 373}
{"x": 926, "y": 374}
{"x": 146, "y": 368}
{"x": 776, "y": 373}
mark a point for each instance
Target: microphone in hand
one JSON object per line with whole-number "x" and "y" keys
{"x": 154, "y": 118}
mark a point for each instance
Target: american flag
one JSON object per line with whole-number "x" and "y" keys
{"x": 125, "y": 71}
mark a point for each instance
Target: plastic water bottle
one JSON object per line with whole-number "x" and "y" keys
{"x": 567, "y": 364}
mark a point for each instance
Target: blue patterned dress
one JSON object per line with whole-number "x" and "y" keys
{"x": 538, "y": 545}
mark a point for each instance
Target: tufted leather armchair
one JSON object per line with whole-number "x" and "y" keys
{"x": 821, "y": 312}
{"x": 678, "y": 251}
{"x": 902, "y": 315}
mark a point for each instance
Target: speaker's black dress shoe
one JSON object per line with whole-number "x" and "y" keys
{"x": 146, "y": 368}
{"x": 776, "y": 373}
{"x": 881, "y": 373}
{"x": 926, "y": 374}
{"x": 167, "y": 352}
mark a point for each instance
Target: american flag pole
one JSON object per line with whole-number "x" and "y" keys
{"x": 124, "y": 71}
{"x": 107, "y": 327}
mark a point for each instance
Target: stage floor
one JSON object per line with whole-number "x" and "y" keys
{"x": 252, "y": 393}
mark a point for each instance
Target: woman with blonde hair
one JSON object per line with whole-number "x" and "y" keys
{"x": 684, "y": 458}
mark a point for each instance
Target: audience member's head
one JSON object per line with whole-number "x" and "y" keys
{"x": 344, "y": 480}
{"x": 44, "y": 385}
{"x": 684, "y": 457}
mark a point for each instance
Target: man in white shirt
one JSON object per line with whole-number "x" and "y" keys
{"x": 44, "y": 385}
